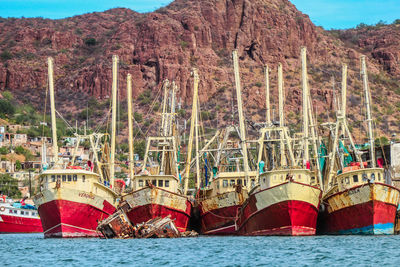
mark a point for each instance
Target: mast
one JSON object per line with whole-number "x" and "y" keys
{"x": 173, "y": 103}
{"x": 164, "y": 110}
{"x": 344, "y": 89}
{"x": 114, "y": 117}
{"x": 344, "y": 104}
{"x": 267, "y": 100}
{"x": 165, "y": 123}
{"x": 341, "y": 123}
{"x": 193, "y": 120}
{"x": 280, "y": 91}
{"x": 130, "y": 127}
{"x": 305, "y": 101}
{"x": 368, "y": 106}
{"x": 241, "y": 119}
{"x": 281, "y": 116}
{"x": 53, "y": 109}
{"x": 314, "y": 138}
{"x": 197, "y": 149}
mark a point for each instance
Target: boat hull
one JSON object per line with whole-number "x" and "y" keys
{"x": 68, "y": 212}
{"x": 15, "y": 224}
{"x": 218, "y": 213}
{"x": 289, "y": 209}
{"x": 367, "y": 209}
{"x": 149, "y": 203}
{"x": 63, "y": 218}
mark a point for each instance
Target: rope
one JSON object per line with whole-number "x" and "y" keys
{"x": 383, "y": 151}
{"x": 66, "y": 122}
{"x": 102, "y": 122}
{"x": 146, "y": 116}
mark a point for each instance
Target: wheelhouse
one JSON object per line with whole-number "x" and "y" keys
{"x": 167, "y": 182}
{"x": 347, "y": 180}
{"x": 276, "y": 177}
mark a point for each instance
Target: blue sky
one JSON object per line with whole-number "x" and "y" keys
{"x": 349, "y": 13}
{"x": 326, "y": 13}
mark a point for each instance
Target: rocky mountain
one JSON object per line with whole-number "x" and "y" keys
{"x": 169, "y": 42}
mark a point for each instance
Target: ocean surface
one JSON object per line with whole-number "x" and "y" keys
{"x": 34, "y": 250}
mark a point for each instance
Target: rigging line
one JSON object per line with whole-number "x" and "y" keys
{"x": 153, "y": 103}
{"x": 102, "y": 122}
{"x": 146, "y": 116}
{"x": 68, "y": 125}
{"x": 151, "y": 124}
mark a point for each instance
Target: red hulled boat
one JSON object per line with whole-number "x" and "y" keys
{"x": 281, "y": 205}
{"x": 220, "y": 200}
{"x": 17, "y": 218}
{"x": 71, "y": 202}
{"x": 75, "y": 195}
{"x": 358, "y": 206}
{"x": 360, "y": 198}
{"x": 219, "y": 203}
{"x": 151, "y": 202}
{"x": 156, "y": 190}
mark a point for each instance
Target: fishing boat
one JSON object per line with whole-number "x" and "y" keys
{"x": 287, "y": 197}
{"x": 359, "y": 199}
{"x": 220, "y": 197}
{"x": 18, "y": 217}
{"x": 74, "y": 196}
{"x": 156, "y": 189}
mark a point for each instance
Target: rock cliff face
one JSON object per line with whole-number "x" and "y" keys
{"x": 169, "y": 42}
{"x": 381, "y": 42}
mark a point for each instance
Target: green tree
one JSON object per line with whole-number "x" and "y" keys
{"x": 6, "y": 108}
{"x": 122, "y": 157}
{"x": 381, "y": 141}
{"x": 90, "y": 42}
{"x": 380, "y": 23}
{"x": 9, "y": 186}
{"x": 22, "y": 151}
{"x": 4, "y": 150}
{"x": 6, "y": 55}
{"x": 138, "y": 117}
{"x": 19, "y": 150}
{"x": 8, "y": 95}
{"x": 18, "y": 165}
{"x": 140, "y": 148}
{"x": 120, "y": 175}
{"x": 361, "y": 26}
{"x": 124, "y": 147}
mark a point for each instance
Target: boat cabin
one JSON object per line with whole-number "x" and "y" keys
{"x": 78, "y": 179}
{"x": 228, "y": 181}
{"x": 349, "y": 179}
{"x": 18, "y": 212}
{"x": 276, "y": 177}
{"x": 167, "y": 182}
{"x": 49, "y": 178}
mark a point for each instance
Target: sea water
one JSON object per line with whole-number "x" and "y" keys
{"x": 34, "y": 250}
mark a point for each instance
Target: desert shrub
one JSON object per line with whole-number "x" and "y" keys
{"x": 138, "y": 117}
{"x": 6, "y": 108}
{"x": 6, "y": 55}
{"x": 90, "y": 41}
